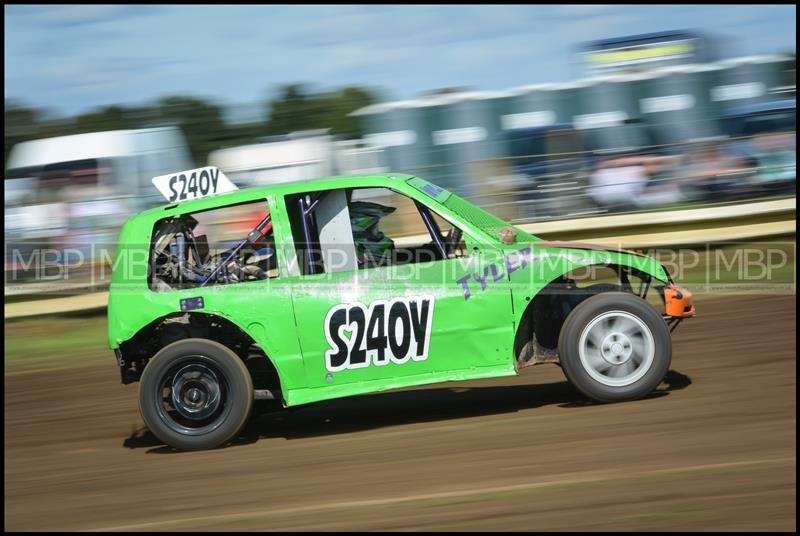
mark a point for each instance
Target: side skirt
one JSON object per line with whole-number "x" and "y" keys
{"x": 306, "y": 396}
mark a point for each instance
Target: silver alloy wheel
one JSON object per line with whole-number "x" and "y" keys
{"x": 616, "y": 348}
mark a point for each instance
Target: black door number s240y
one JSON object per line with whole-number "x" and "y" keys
{"x": 386, "y": 331}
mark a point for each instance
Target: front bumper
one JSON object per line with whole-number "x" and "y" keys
{"x": 678, "y": 302}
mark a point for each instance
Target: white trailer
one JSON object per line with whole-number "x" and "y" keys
{"x": 118, "y": 162}
{"x": 296, "y": 157}
{"x": 87, "y": 180}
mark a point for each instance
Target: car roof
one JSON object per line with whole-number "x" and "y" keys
{"x": 286, "y": 188}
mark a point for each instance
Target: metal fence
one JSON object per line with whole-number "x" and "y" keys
{"x": 76, "y": 253}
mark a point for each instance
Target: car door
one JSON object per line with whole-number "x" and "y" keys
{"x": 393, "y": 325}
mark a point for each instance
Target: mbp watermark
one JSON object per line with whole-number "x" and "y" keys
{"x": 766, "y": 266}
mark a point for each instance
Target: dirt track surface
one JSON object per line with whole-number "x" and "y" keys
{"x": 714, "y": 449}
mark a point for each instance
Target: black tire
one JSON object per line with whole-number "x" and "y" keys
{"x": 601, "y": 318}
{"x": 208, "y": 416}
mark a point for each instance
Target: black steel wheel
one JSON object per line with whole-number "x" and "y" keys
{"x": 195, "y": 394}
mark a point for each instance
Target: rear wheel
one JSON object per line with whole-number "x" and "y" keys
{"x": 195, "y": 394}
{"x": 615, "y": 346}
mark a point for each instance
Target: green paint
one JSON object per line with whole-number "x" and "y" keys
{"x": 476, "y": 301}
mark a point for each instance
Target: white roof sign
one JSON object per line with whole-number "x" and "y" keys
{"x": 193, "y": 184}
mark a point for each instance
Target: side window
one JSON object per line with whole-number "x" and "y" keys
{"x": 389, "y": 228}
{"x": 350, "y": 229}
{"x": 321, "y": 229}
{"x": 227, "y": 245}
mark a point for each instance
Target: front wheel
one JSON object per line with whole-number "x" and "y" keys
{"x": 614, "y": 346}
{"x": 195, "y": 394}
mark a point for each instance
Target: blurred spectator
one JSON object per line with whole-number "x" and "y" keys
{"x": 616, "y": 181}
{"x": 710, "y": 173}
{"x": 662, "y": 189}
{"x": 630, "y": 181}
{"x": 776, "y": 157}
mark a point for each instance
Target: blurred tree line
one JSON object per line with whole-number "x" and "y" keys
{"x": 295, "y": 107}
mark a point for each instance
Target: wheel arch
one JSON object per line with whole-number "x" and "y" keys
{"x": 134, "y": 352}
{"x": 558, "y": 295}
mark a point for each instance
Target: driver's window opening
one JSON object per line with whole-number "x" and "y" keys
{"x": 353, "y": 229}
{"x": 228, "y": 245}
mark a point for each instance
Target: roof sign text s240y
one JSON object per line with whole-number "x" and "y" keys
{"x": 193, "y": 184}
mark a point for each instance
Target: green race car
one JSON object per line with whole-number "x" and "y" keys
{"x": 301, "y": 292}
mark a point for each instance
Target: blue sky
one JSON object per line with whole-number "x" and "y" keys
{"x": 73, "y": 58}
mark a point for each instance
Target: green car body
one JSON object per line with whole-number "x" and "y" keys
{"x": 477, "y": 315}
{"x": 461, "y": 318}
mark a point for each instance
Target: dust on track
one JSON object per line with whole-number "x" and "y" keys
{"x": 713, "y": 449}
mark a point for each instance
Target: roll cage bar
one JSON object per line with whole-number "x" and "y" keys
{"x": 263, "y": 227}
